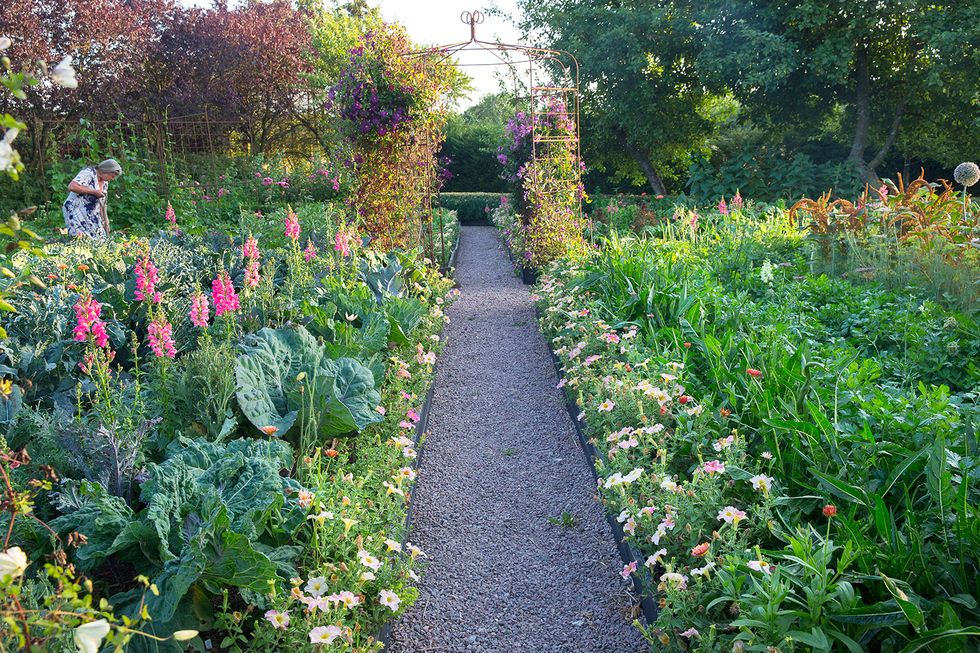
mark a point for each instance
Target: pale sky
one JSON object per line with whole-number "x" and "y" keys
{"x": 437, "y": 22}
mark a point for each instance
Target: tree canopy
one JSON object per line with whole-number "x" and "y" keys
{"x": 667, "y": 85}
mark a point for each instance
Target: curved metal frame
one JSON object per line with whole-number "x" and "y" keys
{"x": 529, "y": 55}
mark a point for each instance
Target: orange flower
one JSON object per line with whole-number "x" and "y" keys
{"x": 270, "y": 430}
{"x": 753, "y": 372}
{"x": 82, "y": 267}
{"x": 725, "y": 412}
{"x": 331, "y": 453}
{"x": 701, "y": 549}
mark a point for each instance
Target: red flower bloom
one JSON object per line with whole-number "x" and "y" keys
{"x": 829, "y": 510}
{"x": 753, "y": 372}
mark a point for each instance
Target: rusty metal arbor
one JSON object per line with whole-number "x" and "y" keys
{"x": 546, "y": 80}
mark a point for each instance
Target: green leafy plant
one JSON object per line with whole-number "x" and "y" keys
{"x": 285, "y": 380}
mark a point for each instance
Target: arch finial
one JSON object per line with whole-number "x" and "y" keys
{"x": 472, "y": 18}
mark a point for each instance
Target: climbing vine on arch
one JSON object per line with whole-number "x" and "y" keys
{"x": 541, "y": 158}
{"x": 392, "y": 107}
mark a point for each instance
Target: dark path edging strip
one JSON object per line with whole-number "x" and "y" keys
{"x": 629, "y": 555}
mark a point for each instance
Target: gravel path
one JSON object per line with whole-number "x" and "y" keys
{"x": 501, "y": 458}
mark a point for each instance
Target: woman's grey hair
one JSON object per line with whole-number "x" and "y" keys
{"x": 109, "y": 166}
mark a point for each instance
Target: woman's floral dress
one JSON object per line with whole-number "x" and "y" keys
{"x": 83, "y": 216}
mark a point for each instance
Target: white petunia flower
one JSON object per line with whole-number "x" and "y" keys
{"x": 88, "y": 637}
{"x": 64, "y": 74}
{"x": 13, "y": 563}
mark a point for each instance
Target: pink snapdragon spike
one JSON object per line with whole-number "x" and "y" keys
{"x": 342, "y": 243}
{"x": 723, "y": 207}
{"x": 200, "y": 310}
{"x": 161, "y": 337}
{"x": 310, "y": 252}
{"x": 88, "y": 321}
{"x": 292, "y": 225}
{"x": 146, "y": 281}
{"x": 171, "y": 216}
{"x": 223, "y": 295}
{"x": 250, "y": 249}
{"x": 252, "y": 273}
{"x": 737, "y": 201}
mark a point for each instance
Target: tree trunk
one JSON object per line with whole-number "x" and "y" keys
{"x": 649, "y": 170}
{"x": 862, "y": 107}
{"x": 862, "y": 110}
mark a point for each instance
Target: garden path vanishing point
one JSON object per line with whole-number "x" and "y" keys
{"x": 501, "y": 459}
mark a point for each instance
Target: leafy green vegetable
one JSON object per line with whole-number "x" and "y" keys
{"x": 285, "y": 380}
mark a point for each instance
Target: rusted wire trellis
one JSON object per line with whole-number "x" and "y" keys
{"x": 552, "y": 79}
{"x": 197, "y": 145}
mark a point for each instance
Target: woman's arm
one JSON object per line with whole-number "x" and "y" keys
{"x": 76, "y": 187}
{"x": 105, "y": 217}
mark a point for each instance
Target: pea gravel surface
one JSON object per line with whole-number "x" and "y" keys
{"x": 501, "y": 458}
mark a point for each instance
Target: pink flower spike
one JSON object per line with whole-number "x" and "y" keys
{"x": 200, "y": 310}
{"x": 342, "y": 243}
{"x": 250, "y": 250}
{"x": 171, "y": 215}
{"x": 88, "y": 318}
{"x": 161, "y": 337}
{"x": 310, "y": 252}
{"x": 146, "y": 281}
{"x": 252, "y": 273}
{"x": 223, "y": 295}
{"x": 292, "y": 225}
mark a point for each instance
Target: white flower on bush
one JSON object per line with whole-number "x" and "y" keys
{"x": 13, "y": 563}
{"x": 703, "y": 571}
{"x": 393, "y": 545}
{"x": 88, "y": 637}
{"x": 7, "y": 154}
{"x": 762, "y": 483}
{"x": 368, "y": 560}
{"x": 677, "y": 581}
{"x": 64, "y": 74}
{"x": 765, "y": 272}
{"x": 316, "y": 586}
{"x": 349, "y": 599}
{"x": 389, "y": 599}
{"x": 657, "y": 557}
{"x": 5, "y": 43}
{"x": 760, "y": 565}
{"x": 618, "y": 479}
{"x": 325, "y": 634}
{"x": 731, "y": 515}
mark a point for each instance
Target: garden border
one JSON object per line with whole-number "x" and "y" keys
{"x": 418, "y": 443}
{"x": 647, "y": 605}
{"x": 451, "y": 263}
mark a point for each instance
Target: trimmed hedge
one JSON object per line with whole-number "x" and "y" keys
{"x": 471, "y": 208}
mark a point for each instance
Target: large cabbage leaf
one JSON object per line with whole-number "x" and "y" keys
{"x": 267, "y": 371}
{"x": 286, "y": 380}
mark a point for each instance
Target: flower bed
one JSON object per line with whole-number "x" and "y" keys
{"x": 790, "y": 453}
{"x": 229, "y": 424}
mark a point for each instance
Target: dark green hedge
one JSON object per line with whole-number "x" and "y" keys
{"x": 471, "y": 208}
